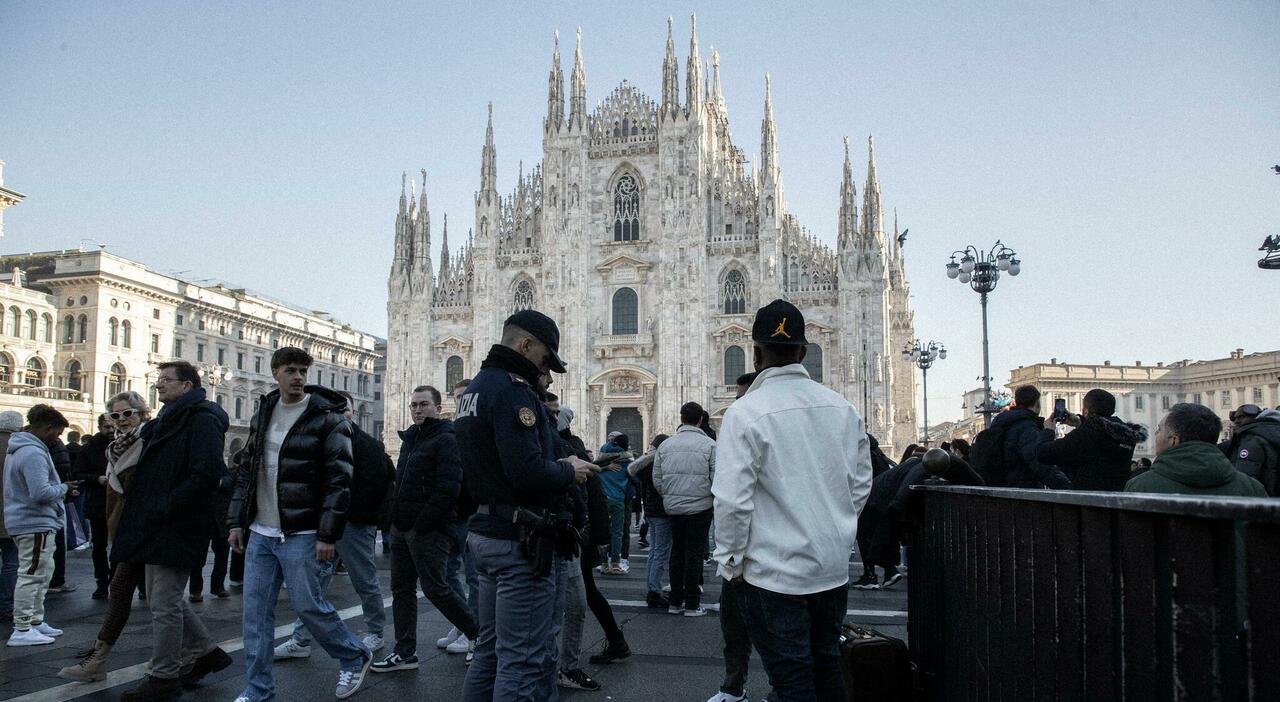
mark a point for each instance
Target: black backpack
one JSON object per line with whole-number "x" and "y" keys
{"x": 987, "y": 456}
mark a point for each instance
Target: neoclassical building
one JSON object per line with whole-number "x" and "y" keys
{"x": 646, "y": 236}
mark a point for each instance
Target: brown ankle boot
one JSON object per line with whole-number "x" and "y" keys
{"x": 92, "y": 669}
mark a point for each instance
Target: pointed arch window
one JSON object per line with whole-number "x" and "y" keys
{"x": 73, "y": 376}
{"x": 35, "y": 372}
{"x": 626, "y": 209}
{"x": 735, "y": 293}
{"x": 735, "y": 364}
{"x": 113, "y": 331}
{"x": 626, "y": 312}
{"x": 813, "y": 362}
{"x": 82, "y": 329}
{"x": 524, "y": 296}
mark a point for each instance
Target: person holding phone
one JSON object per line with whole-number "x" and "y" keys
{"x": 1096, "y": 454}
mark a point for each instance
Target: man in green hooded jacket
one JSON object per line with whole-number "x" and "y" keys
{"x": 1188, "y": 462}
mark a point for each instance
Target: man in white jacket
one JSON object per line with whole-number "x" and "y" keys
{"x": 793, "y": 472}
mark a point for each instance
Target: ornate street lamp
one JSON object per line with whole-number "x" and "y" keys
{"x": 923, "y": 355}
{"x": 214, "y": 374}
{"x": 981, "y": 270}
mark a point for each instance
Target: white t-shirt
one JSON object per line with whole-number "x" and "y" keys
{"x": 283, "y": 417}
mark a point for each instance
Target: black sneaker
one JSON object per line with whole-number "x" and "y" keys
{"x": 577, "y": 680}
{"x": 868, "y": 581}
{"x": 394, "y": 662}
{"x": 211, "y": 662}
{"x": 100, "y": 593}
{"x": 613, "y": 651}
{"x": 891, "y": 577}
{"x": 656, "y": 600}
{"x": 644, "y": 543}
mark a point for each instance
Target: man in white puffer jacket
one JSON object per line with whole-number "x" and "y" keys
{"x": 794, "y": 472}
{"x": 683, "y": 468}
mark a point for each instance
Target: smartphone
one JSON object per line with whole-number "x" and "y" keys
{"x": 1060, "y": 409}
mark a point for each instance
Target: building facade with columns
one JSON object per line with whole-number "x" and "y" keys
{"x": 1144, "y": 393}
{"x": 80, "y": 326}
{"x": 643, "y": 232}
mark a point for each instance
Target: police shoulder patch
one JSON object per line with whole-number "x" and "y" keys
{"x": 527, "y": 417}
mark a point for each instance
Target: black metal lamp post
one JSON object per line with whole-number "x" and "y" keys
{"x": 923, "y": 355}
{"x": 980, "y": 270}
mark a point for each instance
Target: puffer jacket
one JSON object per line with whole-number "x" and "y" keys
{"x": 1255, "y": 450}
{"x": 315, "y": 466}
{"x": 428, "y": 478}
{"x": 641, "y": 471}
{"x": 683, "y": 469}
{"x": 1095, "y": 455}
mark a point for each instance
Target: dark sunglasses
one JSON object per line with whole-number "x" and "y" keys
{"x": 123, "y": 414}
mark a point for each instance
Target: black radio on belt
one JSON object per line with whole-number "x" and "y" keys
{"x": 543, "y": 535}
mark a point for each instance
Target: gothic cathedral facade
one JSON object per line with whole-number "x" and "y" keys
{"x": 644, "y": 235}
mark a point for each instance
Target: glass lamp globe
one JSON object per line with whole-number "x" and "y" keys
{"x": 953, "y": 270}
{"x": 1002, "y": 261}
{"x": 966, "y": 277}
{"x": 966, "y": 264}
{"x": 1015, "y": 267}
{"x": 942, "y": 353}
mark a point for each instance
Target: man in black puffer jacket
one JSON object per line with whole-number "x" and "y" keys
{"x": 1096, "y": 454}
{"x": 293, "y": 501}
{"x": 428, "y": 482}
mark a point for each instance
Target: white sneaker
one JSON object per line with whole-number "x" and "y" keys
{"x": 444, "y": 641}
{"x": 30, "y": 637}
{"x": 291, "y": 649}
{"x": 697, "y": 612}
{"x": 44, "y": 628}
{"x": 373, "y": 642}
{"x": 350, "y": 681}
{"x": 460, "y": 645}
{"x": 624, "y": 566}
{"x": 726, "y": 697}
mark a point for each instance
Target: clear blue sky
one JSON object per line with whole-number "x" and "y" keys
{"x": 1122, "y": 148}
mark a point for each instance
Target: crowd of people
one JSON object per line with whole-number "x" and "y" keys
{"x": 504, "y": 517}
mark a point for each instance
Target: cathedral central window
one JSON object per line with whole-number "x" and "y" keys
{"x": 626, "y": 209}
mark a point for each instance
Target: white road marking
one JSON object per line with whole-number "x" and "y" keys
{"x": 882, "y": 613}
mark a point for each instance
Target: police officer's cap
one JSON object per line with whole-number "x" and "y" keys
{"x": 544, "y": 329}
{"x": 779, "y": 322}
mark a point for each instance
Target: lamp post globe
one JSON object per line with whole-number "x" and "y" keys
{"x": 981, "y": 270}
{"x": 923, "y": 354}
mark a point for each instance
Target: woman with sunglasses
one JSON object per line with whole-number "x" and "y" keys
{"x": 127, "y": 412}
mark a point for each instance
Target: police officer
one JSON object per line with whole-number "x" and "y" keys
{"x": 508, "y": 445}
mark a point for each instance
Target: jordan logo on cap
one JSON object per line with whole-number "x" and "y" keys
{"x": 782, "y": 329}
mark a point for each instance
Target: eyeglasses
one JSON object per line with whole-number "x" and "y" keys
{"x": 161, "y": 380}
{"x": 123, "y": 414}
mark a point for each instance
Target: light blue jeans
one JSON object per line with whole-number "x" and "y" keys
{"x": 520, "y": 614}
{"x": 8, "y": 573}
{"x": 659, "y": 551}
{"x": 355, "y": 548}
{"x": 291, "y": 560}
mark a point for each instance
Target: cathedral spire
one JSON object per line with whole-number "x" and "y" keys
{"x": 768, "y": 137}
{"x": 578, "y": 100}
{"x": 717, "y": 97}
{"x": 555, "y": 90}
{"x": 402, "y": 249}
{"x": 444, "y": 250}
{"x": 670, "y": 78}
{"x": 489, "y": 159}
{"x": 424, "y": 219}
{"x": 404, "y": 203}
{"x": 872, "y": 214}
{"x": 848, "y": 225}
{"x": 693, "y": 77}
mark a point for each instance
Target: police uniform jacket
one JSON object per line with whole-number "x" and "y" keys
{"x": 508, "y": 443}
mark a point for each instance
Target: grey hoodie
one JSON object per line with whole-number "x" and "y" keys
{"x": 33, "y": 494}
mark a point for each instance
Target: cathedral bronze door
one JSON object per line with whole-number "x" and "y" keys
{"x": 627, "y": 420}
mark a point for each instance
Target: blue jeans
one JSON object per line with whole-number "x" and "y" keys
{"x": 798, "y": 639}
{"x": 461, "y": 561}
{"x": 520, "y": 615}
{"x": 8, "y": 573}
{"x": 659, "y": 551}
{"x": 292, "y": 560}
{"x": 355, "y": 548}
{"x": 617, "y": 521}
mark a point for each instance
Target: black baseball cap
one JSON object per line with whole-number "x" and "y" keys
{"x": 544, "y": 329}
{"x": 779, "y": 322}
{"x": 1249, "y": 410}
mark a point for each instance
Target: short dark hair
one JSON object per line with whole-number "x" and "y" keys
{"x": 657, "y": 440}
{"x": 291, "y": 356}
{"x": 351, "y": 401}
{"x": 46, "y": 417}
{"x": 1026, "y": 395}
{"x": 1100, "y": 402}
{"x": 435, "y": 394}
{"x": 461, "y": 384}
{"x": 1146, "y": 462}
{"x": 746, "y": 379}
{"x": 184, "y": 371}
{"x": 1191, "y": 422}
{"x": 961, "y": 447}
{"x": 782, "y": 352}
{"x": 622, "y": 441}
{"x": 691, "y": 413}
{"x": 552, "y": 397}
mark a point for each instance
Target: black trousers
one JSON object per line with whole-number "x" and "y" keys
{"x": 798, "y": 639}
{"x": 688, "y": 551}
{"x": 102, "y": 569}
{"x": 218, "y": 578}
{"x": 422, "y": 558}
{"x": 59, "y": 559}
{"x": 237, "y": 567}
{"x": 598, "y": 604}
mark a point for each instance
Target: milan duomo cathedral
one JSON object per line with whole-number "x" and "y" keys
{"x": 645, "y": 235}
